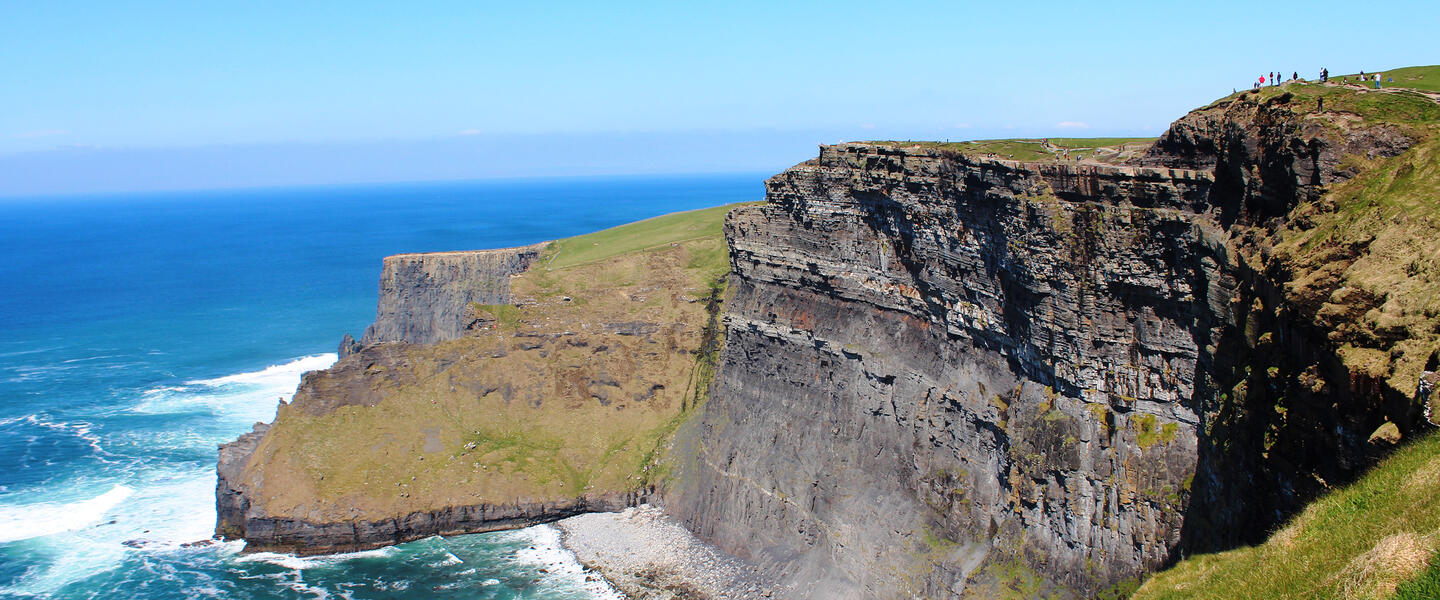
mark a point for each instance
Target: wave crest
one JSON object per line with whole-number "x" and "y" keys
{"x": 25, "y": 521}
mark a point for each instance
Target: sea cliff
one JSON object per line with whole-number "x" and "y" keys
{"x": 941, "y": 369}
{"x": 949, "y": 375}
{"x": 918, "y": 370}
{"x": 563, "y": 369}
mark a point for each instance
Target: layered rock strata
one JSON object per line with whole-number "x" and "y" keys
{"x": 942, "y": 376}
{"x": 427, "y": 298}
{"x": 948, "y": 377}
{"x": 937, "y": 364}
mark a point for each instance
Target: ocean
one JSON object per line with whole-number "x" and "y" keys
{"x": 139, "y": 331}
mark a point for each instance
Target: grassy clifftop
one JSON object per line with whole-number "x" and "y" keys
{"x": 571, "y": 390}
{"x": 1105, "y": 150}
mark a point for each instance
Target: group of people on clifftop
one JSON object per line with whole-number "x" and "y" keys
{"x": 1275, "y": 78}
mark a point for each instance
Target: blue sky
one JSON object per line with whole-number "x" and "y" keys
{"x": 110, "y": 96}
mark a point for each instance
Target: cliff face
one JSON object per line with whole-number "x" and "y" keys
{"x": 427, "y": 298}
{"x": 947, "y": 376}
{"x": 942, "y": 376}
{"x": 939, "y": 368}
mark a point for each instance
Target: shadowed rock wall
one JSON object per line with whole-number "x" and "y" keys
{"x": 940, "y": 371}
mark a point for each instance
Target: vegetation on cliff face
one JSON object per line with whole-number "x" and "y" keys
{"x": 570, "y": 391}
{"x": 1358, "y": 263}
{"x": 1362, "y": 260}
{"x": 1368, "y": 253}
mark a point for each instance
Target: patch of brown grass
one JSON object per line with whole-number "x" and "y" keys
{"x": 1393, "y": 560}
{"x": 1424, "y": 478}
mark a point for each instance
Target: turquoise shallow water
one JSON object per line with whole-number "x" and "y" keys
{"x": 139, "y": 331}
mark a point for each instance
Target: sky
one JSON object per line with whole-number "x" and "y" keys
{"x": 125, "y": 96}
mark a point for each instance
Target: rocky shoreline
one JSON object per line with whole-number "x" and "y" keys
{"x": 647, "y": 555}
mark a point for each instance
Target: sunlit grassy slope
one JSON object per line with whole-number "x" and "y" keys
{"x": 1416, "y": 78}
{"x": 665, "y": 229}
{"x": 1361, "y": 541}
{"x": 571, "y": 390}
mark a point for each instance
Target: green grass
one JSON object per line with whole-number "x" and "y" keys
{"x": 548, "y": 405}
{"x": 1424, "y": 587}
{"x": 1036, "y": 150}
{"x": 506, "y": 315}
{"x": 1330, "y": 549}
{"x": 1099, "y": 142}
{"x": 1147, "y": 433}
{"x": 1416, "y": 78}
{"x": 640, "y": 235}
{"x": 1397, "y": 109}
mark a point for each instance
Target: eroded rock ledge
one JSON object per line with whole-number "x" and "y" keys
{"x": 426, "y": 298}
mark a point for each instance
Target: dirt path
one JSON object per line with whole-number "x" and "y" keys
{"x": 1369, "y": 88}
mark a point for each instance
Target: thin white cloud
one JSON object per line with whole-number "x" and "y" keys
{"x": 868, "y": 126}
{"x": 39, "y": 133}
{"x": 471, "y": 132}
{"x": 1072, "y": 125}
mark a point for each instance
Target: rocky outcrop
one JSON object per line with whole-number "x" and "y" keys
{"x": 556, "y": 402}
{"x": 428, "y": 298}
{"x": 1290, "y": 415}
{"x": 938, "y": 368}
{"x": 947, "y": 376}
{"x": 269, "y": 534}
{"x": 1269, "y": 155}
{"x": 248, "y": 475}
{"x": 232, "y": 505}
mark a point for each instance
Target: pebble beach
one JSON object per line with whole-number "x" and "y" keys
{"x": 647, "y": 555}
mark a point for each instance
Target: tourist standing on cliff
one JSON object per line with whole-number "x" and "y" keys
{"x": 1377, "y": 81}
{"x": 1324, "y": 74}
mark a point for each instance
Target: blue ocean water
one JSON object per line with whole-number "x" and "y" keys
{"x": 139, "y": 331}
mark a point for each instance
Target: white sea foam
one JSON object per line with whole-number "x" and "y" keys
{"x": 243, "y": 398}
{"x": 301, "y": 563}
{"x": 449, "y": 561}
{"x": 25, "y": 521}
{"x": 546, "y": 550}
{"x": 80, "y": 429}
{"x": 89, "y": 358}
{"x": 274, "y": 373}
{"x": 157, "y": 506}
